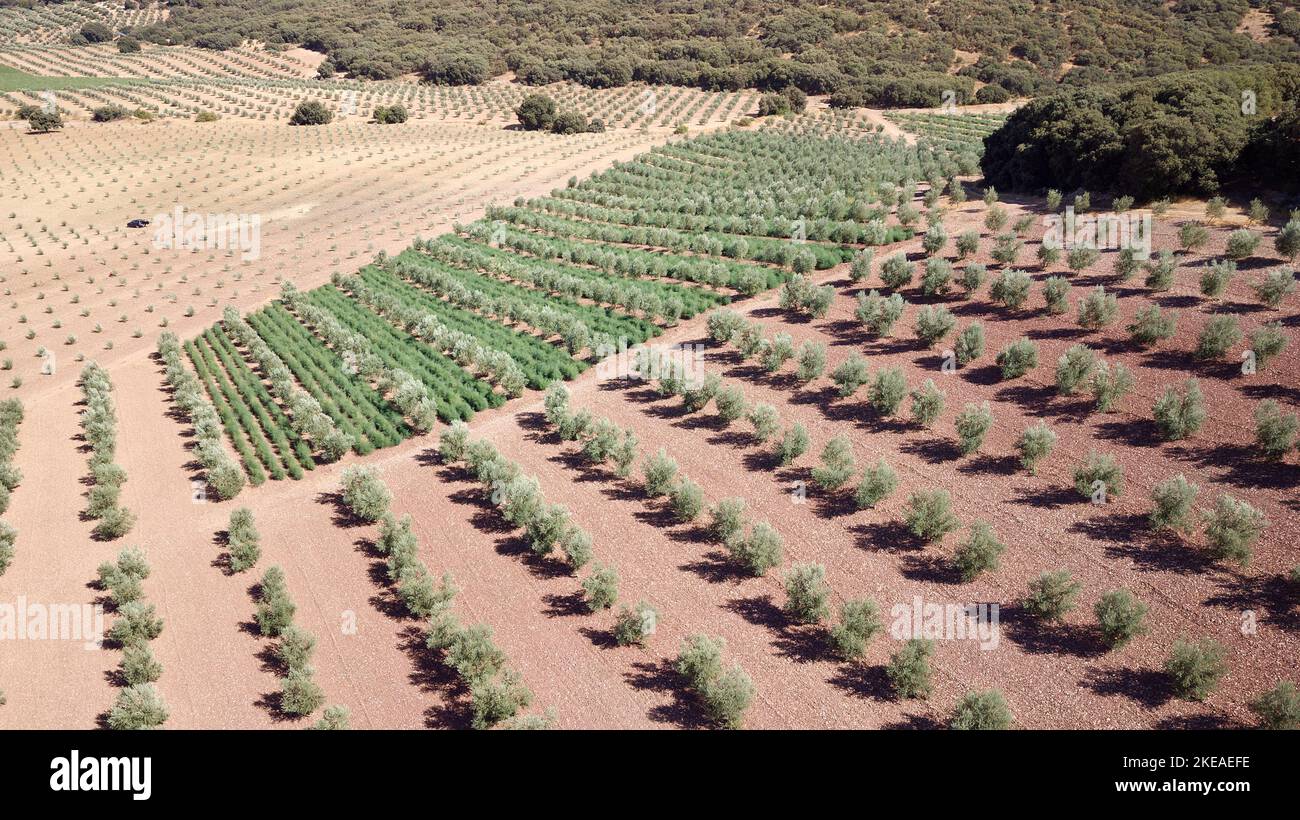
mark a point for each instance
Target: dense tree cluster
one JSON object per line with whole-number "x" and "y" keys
{"x": 891, "y": 54}
{"x": 1189, "y": 132}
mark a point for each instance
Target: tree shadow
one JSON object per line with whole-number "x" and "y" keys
{"x": 1148, "y": 687}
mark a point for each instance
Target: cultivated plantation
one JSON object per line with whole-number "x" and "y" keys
{"x": 491, "y": 405}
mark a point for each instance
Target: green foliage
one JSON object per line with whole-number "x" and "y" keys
{"x": 1034, "y": 445}
{"x": 1099, "y": 468}
{"x": 1160, "y": 271}
{"x": 137, "y": 623}
{"x": 137, "y": 707}
{"x": 364, "y": 494}
{"x": 1018, "y": 358}
{"x": 978, "y": 553}
{"x": 1219, "y": 334}
{"x": 660, "y": 470}
{"x": 878, "y": 482}
{"x": 730, "y": 403}
{"x": 806, "y": 592}
{"x": 927, "y": 403}
{"x": 1196, "y": 667}
{"x": 766, "y": 421}
{"x": 139, "y": 666}
{"x": 1180, "y": 414}
{"x": 1150, "y": 325}
{"x": 1120, "y": 615}
{"x": 1051, "y": 596}
{"x": 633, "y": 626}
{"x": 929, "y": 514}
{"x": 982, "y": 710}
{"x": 851, "y": 374}
{"x": 1172, "y": 501}
{"x": 973, "y": 424}
{"x": 793, "y": 444}
{"x": 859, "y": 624}
{"x": 275, "y": 609}
{"x": 909, "y": 669}
{"x": 1215, "y": 277}
{"x": 933, "y": 322}
{"x": 536, "y": 112}
{"x": 1279, "y": 707}
{"x": 1275, "y": 286}
{"x": 1241, "y": 244}
{"x": 334, "y": 718}
{"x": 243, "y": 540}
{"x": 1109, "y": 384}
{"x": 601, "y": 587}
{"x": 1011, "y": 288}
{"x": 1275, "y": 431}
{"x": 1074, "y": 368}
{"x": 970, "y": 344}
{"x": 837, "y": 464}
{"x": 727, "y": 518}
{"x": 311, "y": 112}
{"x": 1232, "y": 528}
{"x": 879, "y": 313}
{"x": 1266, "y": 342}
{"x": 758, "y": 551}
{"x": 1098, "y": 309}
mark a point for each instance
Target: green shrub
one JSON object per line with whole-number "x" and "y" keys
{"x": 1241, "y": 244}
{"x": 1232, "y": 528}
{"x": 806, "y": 593}
{"x": 1180, "y": 414}
{"x": 114, "y": 523}
{"x": 687, "y": 500}
{"x": 728, "y": 696}
{"x": 1151, "y": 326}
{"x": 970, "y": 344}
{"x": 1018, "y": 358}
{"x": 766, "y": 421}
{"x": 878, "y": 482}
{"x": 929, "y": 514}
{"x": 927, "y": 403}
{"x": 973, "y": 424}
{"x": 299, "y": 693}
{"x": 909, "y": 669}
{"x": 933, "y": 322}
{"x": 936, "y": 280}
{"x": 982, "y": 710}
{"x": 859, "y": 624}
{"x": 979, "y": 553}
{"x": 1051, "y": 595}
{"x": 896, "y": 271}
{"x": 1035, "y": 444}
{"x": 1110, "y": 383}
{"x": 364, "y": 494}
{"x": 888, "y": 389}
{"x": 1195, "y": 668}
{"x": 1126, "y": 264}
{"x": 851, "y": 374}
{"x": 334, "y": 718}
{"x": 860, "y": 268}
{"x": 968, "y": 244}
{"x": 660, "y": 470}
{"x": 1120, "y": 615}
{"x": 137, "y": 707}
{"x": 1219, "y": 334}
{"x": 879, "y": 313}
{"x": 699, "y": 660}
{"x": 1288, "y": 240}
{"x": 1099, "y": 468}
{"x": 837, "y": 464}
{"x": 1275, "y": 431}
{"x": 1056, "y": 292}
{"x": 1215, "y": 278}
{"x": 1172, "y": 500}
{"x": 274, "y": 607}
{"x": 474, "y": 655}
{"x": 633, "y": 626}
{"x": 1011, "y": 288}
{"x": 1098, "y": 309}
{"x": 1266, "y": 342}
{"x": 311, "y": 112}
{"x": 1160, "y": 271}
{"x": 727, "y": 518}
{"x": 1278, "y": 708}
{"x": 1006, "y": 248}
{"x": 295, "y": 647}
{"x": 136, "y": 623}
{"x": 1073, "y": 368}
{"x": 934, "y": 240}
{"x": 793, "y": 444}
{"x": 972, "y": 278}
{"x": 1192, "y": 236}
{"x": 498, "y": 699}
{"x": 600, "y": 588}
{"x": 243, "y": 540}
{"x": 139, "y": 666}
{"x": 1081, "y": 258}
{"x": 730, "y": 403}
{"x": 1275, "y": 286}
{"x": 758, "y": 551}
{"x": 1049, "y": 255}
{"x": 812, "y": 360}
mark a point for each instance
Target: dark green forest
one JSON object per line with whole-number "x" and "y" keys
{"x": 862, "y": 52}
